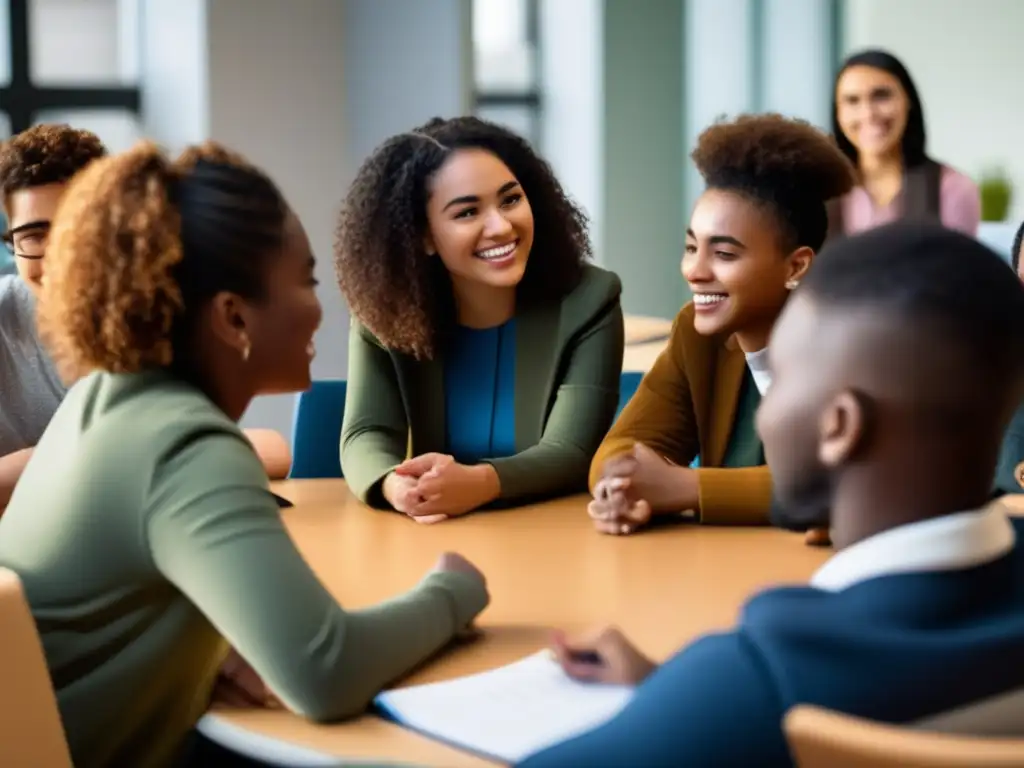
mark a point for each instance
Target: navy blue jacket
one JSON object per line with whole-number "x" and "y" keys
{"x": 894, "y": 648}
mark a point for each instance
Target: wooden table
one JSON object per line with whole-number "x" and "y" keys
{"x": 641, "y": 329}
{"x": 546, "y": 568}
{"x": 646, "y": 337}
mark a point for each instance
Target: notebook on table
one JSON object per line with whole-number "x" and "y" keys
{"x": 507, "y": 713}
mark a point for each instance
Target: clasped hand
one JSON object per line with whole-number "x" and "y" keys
{"x": 434, "y": 487}
{"x": 637, "y": 484}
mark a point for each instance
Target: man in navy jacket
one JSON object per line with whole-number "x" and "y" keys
{"x": 895, "y": 369}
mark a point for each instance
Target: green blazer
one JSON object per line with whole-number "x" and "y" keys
{"x": 568, "y": 364}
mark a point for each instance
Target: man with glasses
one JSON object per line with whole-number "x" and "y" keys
{"x": 35, "y": 168}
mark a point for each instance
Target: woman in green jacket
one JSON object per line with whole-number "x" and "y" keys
{"x": 143, "y": 529}
{"x": 485, "y": 353}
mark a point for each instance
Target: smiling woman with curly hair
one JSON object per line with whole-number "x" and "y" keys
{"x": 485, "y": 352}
{"x": 752, "y": 236}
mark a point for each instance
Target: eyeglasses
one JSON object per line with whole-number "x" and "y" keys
{"x": 27, "y": 243}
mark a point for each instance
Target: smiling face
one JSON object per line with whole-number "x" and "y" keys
{"x": 736, "y": 268}
{"x": 872, "y": 110}
{"x": 30, "y": 212}
{"x": 479, "y": 221}
{"x": 282, "y": 324}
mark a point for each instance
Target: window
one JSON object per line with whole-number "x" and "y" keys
{"x": 72, "y": 60}
{"x": 505, "y": 65}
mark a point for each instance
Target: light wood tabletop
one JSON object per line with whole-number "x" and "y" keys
{"x": 641, "y": 357}
{"x": 641, "y": 329}
{"x": 546, "y": 568}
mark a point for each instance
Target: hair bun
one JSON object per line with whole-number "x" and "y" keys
{"x": 110, "y": 297}
{"x": 772, "y": 150}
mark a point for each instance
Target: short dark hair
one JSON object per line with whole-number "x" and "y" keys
{"x": 787, "y": 165}
{"x": 46, "y": 154}
{"x": 141, "y": 243}
{"x": 914, "y": 135}
{"x": 1018, "y": 239}
{"x": 405, "y": 299}
{"x": 923, "y": 272}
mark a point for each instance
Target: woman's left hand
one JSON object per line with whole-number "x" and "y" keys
{"x": 449, "y": 488}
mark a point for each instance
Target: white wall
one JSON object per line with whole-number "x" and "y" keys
{"x": 966, "y": 59}
{"x": 572, "y": 133}
{"x": 276, "y": 94}
{"x": 173, "y": 65}
{"x": 718, "y": 67}
{"x": 405, "y": 62}
{"x": 797, "y": 60}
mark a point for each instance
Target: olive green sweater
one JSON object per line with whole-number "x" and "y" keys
{"x": 147, "y": 541}
{"x": 568, "y": 365}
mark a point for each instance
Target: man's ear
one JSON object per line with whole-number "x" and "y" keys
{"x": 842, "y": 429}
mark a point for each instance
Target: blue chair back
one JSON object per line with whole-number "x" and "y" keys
{"x": 316, "y": 431}
{"x": 627, "y": 387}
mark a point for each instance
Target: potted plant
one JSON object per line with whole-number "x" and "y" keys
{"x": 996, "y": 193}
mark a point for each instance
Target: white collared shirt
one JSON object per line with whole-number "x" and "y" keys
{"x": 952, "y": 542}
{"x": 757, "y": 362}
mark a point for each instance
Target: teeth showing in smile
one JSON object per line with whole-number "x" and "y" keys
{"x": 500, "y": 252}
{"x": 708, "y": 298}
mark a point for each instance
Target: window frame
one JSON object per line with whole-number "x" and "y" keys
{"x": 21, "y": 99}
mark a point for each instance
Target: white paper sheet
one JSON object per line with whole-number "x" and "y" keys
{"x": 508, "y": 713}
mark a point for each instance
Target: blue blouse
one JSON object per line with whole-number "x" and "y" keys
{"x": 479, "y": 393}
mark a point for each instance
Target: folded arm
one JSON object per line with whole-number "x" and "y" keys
{"x": 215, "y": 532}
{"x": 659, "y": 415}
{"x": 375, "y": 430}
{"x": 581, "y": 414}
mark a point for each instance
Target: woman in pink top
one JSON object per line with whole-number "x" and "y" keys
{"x": 878, "y": 122}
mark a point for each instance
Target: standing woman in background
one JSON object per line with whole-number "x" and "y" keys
{"x": 485, "y": 352}
{"x": 878, "y": 122}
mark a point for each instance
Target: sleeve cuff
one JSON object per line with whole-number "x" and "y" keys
{"x": 735, "y": 496}
{"x": 468, "y": 595}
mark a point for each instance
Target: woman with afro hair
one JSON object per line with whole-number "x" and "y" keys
{"x": 485, "y": 352}
{"x": 752, "y": 235}
{"x": 143, "y": 528}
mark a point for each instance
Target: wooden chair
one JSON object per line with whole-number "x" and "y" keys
{"x": 819, "y": 738}
{"x": 31, "y": 733}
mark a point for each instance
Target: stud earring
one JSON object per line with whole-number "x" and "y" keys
{"x": 791, "y": 284}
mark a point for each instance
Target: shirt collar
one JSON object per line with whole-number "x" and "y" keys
{"x": 948, "y": 543}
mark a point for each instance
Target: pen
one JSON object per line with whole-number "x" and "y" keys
{"x": 581, "y": 657}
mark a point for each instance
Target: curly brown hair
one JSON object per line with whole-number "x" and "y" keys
{"x": 141, "y": 242}
{"x": 46, "y": 154}
{"x": 404, "y": 298}
{"x": 787, "y": 165}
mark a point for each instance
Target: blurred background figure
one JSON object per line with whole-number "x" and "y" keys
{"x": 878, "y": 122}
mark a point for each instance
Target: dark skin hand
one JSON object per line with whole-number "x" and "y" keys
{"x": 818, "y": 537}
{"x": 636, "y": 485}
